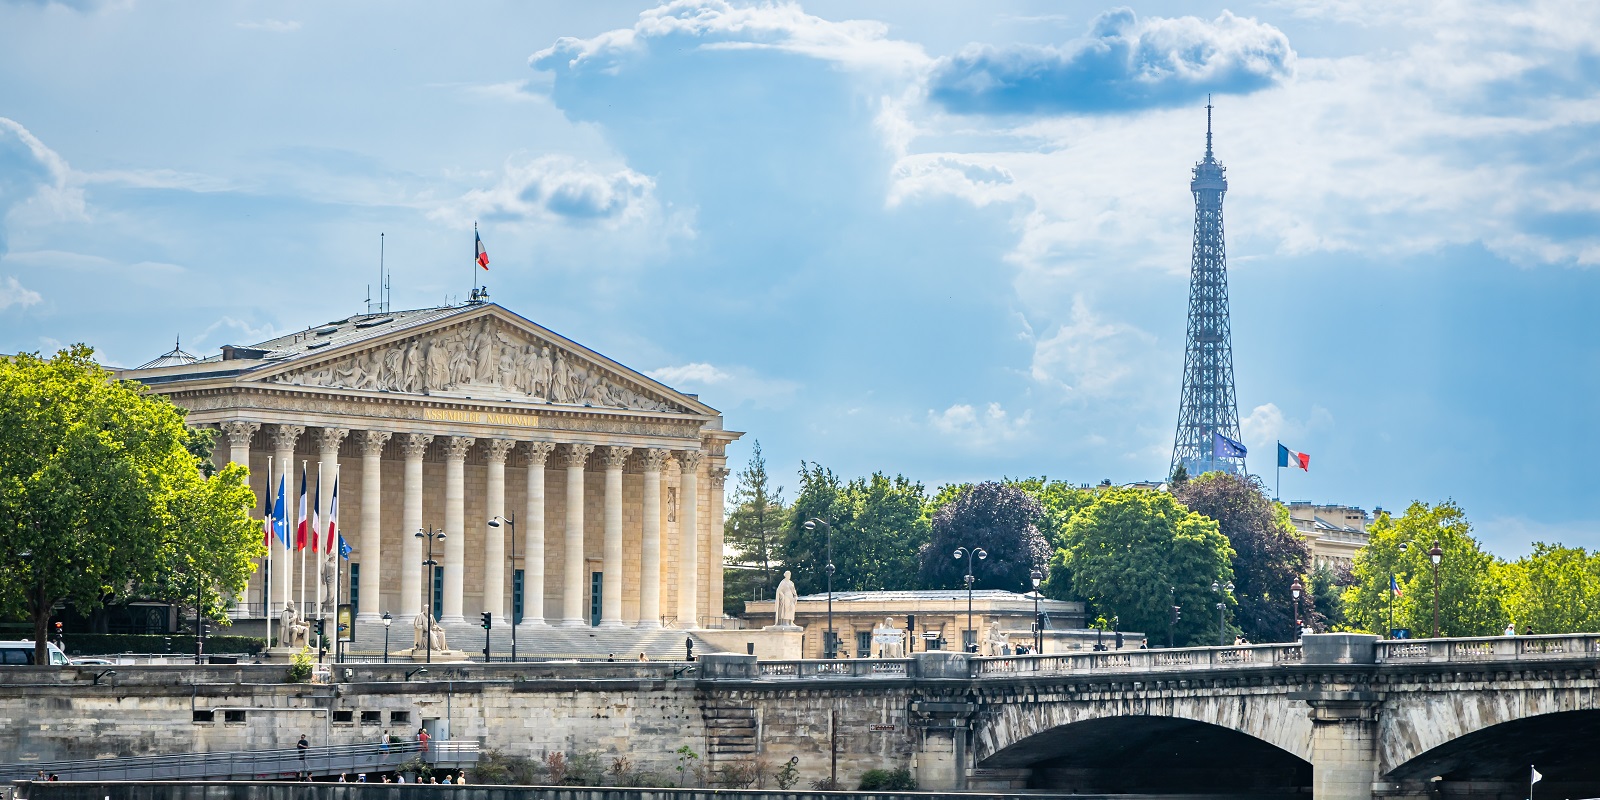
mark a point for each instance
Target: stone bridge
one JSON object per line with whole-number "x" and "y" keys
{"x": 1342, "y": 716}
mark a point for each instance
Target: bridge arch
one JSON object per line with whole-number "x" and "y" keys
{"x": 1445, "y": 717}
{"x": 1560, "y": 745}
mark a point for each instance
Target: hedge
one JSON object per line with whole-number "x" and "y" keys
{"x": 98, "y": 644}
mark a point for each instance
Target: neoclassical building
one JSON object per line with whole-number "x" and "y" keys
{"x": 446, "y": 418}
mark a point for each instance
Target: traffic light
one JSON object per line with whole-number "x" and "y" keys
{"x": 911, "y": 622}
{"x": 319, "y": 628}
{"x": 488, "y": 620}
{"x": 1177, "y": 614}
{"x": 58, "y": 630}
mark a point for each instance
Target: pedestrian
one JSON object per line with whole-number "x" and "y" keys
{"x": 1527, "y": 630}
{"x": 433, "y": 779}
{"x": 362, "y": 778}
{"x": 342, "y": 778}
{"x": 1511, "y": 629}
{"x": 643, "y": 657}
{"x": 383, "y": 742}
{"x": 398, "y": 778}
{"x": 54, "y": 777}
{"x": 303, "y": 745}
{"x": 610, "y": 657}
{"x": 422, "y": 739}
{"x": 461, "y": 779}
{"x": 447, "y": 780}
{"x": 385, "y": 778}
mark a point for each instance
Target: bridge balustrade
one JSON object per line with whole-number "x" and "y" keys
{"x": 1487, "y": 648}
{"x": 837, "y": 668}
{"x": 253, "y": 764}
{"x": 1137, "y": 660}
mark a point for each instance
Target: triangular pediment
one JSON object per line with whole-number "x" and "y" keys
{"x": 488, "y": 355}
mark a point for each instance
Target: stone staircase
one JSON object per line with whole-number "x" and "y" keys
{"x": 730, "y": 731}
{"x": 587, "y": 643}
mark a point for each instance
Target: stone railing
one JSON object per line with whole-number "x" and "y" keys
{"x": 1489, "y": 648}
{"x": 836, "y": 668}
{"x": 1138, "y": 661}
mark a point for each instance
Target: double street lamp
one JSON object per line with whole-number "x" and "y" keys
{"x": 972, "y": 555}
{"x": 387, "y": 621}
{"x": 1295, "y": 589}
{"x": 1038, "y": 622}
{"x": 1219, "y": 589}
{"x": 1434, "y": 555}
{"x": 432, "y": 536}
{"x": 828, "y": 648}
{"x": 511, "y": 523}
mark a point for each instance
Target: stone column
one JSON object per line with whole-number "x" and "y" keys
{"x": 494, "y": 543}
{"x": 239, "y": 434}
{"x": 371, "y": 611}
{"x": 412, "y": 446}
{"x": 714, "y": 559}
{"x": 611, "y": 586}
{"x": 455, "y": 538}
{"x": 1344, "y": 743}
{"x": 689, "y": 538}
{"x": 328, "y": 441}
{"x": 532, "y": 525}
{"x": 650, "y": 540}
{"x": 572, "y": 611}
{"x": 283, "y": 439}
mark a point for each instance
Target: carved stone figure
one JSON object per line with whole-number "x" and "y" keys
{"x": 539, "y": 383}
{"x": 889, "y": 639}
{"x": 997, "y": 640}
{"x": 439, "y": 642}
{"x": 784, "y": 602}
{"x": 561, "y": 390}
{"x": 419, "y": 630}
{"x": 392, "y": 375}
{"x": 296, "y": 633}
{"x": 488, "y": 358}
{"x": 438, "y": 366}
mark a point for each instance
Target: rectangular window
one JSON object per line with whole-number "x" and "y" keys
{"x": 343, "y": 716}
{"x": 355, "y": 589}
{"x": 372, "y": 718}
{"x": 235, "y": 716}
{"x": 863, "y": 644}
{"x": 968, "y": 640}
{"x": 596, "y": 583}
{"x": 438, "y": 592}
{"x": 516, "y": 597}
{"x": 399, "y": 717}
{"x": 206, "y": 715}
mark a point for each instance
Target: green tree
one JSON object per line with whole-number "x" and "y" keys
{"x": 1268, "y": 555}
{"x": 754, "y": 530}
{"x": 1133, "y": 553}
{"x": 1325, "y": 586}
{"x": 1000, "y": 518}
{"x": 1469, "y": 591}
{"x": 1060, "y": 500}
{"x": 209, "y": 543}
{"x": 879, "y": 526}
{"x": 92, "y": 472}
{"x": 1554, "y": 589}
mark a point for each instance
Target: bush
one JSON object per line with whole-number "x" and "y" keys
{"x": 101, "y": 644}
{"x": 888, "y": 780}
{"x": 300, "y": 667}
{"x": 495, "y": 767}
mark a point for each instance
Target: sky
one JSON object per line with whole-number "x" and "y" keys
{"x": 949, "y": 240}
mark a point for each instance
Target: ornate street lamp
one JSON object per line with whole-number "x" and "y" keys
{"x": 1295, "y": 589}
{"x": 1038, "y": 622}
{"x": 432, "y": 536}
{"x": 828, "y": 648}
{"x": 1434, "y": 555}
{"x": 975, "y": 554}
{"x": 387, "y": 621}
{"x": 1394, "y": 589}
{"x": 512, "y": 523}
{"x": 1218, "y": 588}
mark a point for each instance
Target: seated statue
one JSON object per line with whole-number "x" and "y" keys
{"x": 420, "y": 631}
{"x": 438, "y": 639}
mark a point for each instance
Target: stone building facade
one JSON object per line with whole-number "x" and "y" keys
{"x": 608, "y": 483}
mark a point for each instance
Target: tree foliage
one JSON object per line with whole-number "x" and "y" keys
{"x": 1268, "y": 555}
{"x": 1469, "y": 594}
{"x": 1132, "y": 551}
{"x": 1000, "y": 518}
{"x": 878, "y": 527}
{"x": 1554, "y": 589}
{"x": 754, "y": 530}
{"x": 1059, "y": 500}
{"x": 210, "y": 545}
{"x": 97, "y": 480}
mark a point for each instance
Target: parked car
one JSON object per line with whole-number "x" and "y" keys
{"x": 21, "y": 652}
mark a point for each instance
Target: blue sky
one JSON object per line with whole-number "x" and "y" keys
{"x": 944, "y": 239}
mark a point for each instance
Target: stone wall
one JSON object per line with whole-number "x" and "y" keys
{"x": 348, "y": 791}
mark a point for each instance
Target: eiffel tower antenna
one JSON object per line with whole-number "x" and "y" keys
{"x": 1208, "y": 405}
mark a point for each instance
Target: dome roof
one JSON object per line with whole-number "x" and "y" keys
{"x": 176, "y": 357}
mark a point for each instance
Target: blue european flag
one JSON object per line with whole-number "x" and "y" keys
{"x": 1223, "y": 447}
{"x": 344, "y": 548}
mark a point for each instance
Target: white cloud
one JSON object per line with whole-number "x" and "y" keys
{"x": 728, "y": 387}
{"x": 979, "y": 429}
{"x": 247, "y": 334}
{"x": 1266, "y": 425}
{"x": 1089, "y": 356}
{"x": 699, "y": 373}
{"x": 558, "y": 187}
{"x": 270, "y": 25}
{"x": 13, "y": 293}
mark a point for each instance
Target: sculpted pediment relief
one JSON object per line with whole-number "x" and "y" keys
{"x": 487, "y": 360}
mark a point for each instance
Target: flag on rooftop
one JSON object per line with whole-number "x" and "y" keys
{"x": 479, "y": 254}
{"x": 1289, "y": 458}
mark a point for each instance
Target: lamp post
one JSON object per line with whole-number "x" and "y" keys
{"x": 972, "y": 555}
{"x": 828, "y": 649}
{"x": 1038, "y": 622}
{"x": 1394, "y": 587}
{"x": 1295, "y": 589}
{"x": 1434, "y": 555}
{"x": 1219, "y": 589}
{"x": 510, "y": 522}
{"x": 387, "y": 621}
{"x": 432, "y": 536}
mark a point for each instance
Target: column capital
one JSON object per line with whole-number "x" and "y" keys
{"x": 539, "y": 452}
{"x": 690, "y": 460}
{"x": 578, "y": 454}
{"x": 655, "y": 458}
{"x": 372, "y": 442}
{"x": 719, "y": 475}
{"x": 616, "y": 457}
{"x": 498, "y": 449}
{"x": 456, "y": 447}
{"x": 239, "y": 432}
{"x": 284, "y": 436}
{"x": 413, "y": 445}
{"x": 329, "y": 439}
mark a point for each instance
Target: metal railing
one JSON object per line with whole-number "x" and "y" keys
{"x": 1489, "y": 648}
{"x": 252, "y": 764}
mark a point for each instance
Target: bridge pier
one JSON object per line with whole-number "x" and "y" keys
{"x": 1344, "y": 744}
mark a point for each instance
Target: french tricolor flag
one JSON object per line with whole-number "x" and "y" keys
{"x": 479, "y": 254}
{"x": 1289, "y": 458}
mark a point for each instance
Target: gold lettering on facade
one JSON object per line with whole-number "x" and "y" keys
{"x": 480, "y": 417}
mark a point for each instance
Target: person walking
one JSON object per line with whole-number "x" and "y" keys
{"x": 383, "y": 742}
{"x": 302, "y": 746}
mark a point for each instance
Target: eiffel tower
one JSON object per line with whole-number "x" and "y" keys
{"x": 1208, "y": 406}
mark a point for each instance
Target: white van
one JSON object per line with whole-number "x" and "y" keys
{"x": 21, "y": 652}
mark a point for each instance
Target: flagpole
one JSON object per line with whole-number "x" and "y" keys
{"x": 1277, "y": 488}
{"x": 338, "y": 569}
{"x": 302, "y": 521}
{"x": 318, "y": 517}
{"x": 474, "y": 266}
{"x": 266, "y": 577}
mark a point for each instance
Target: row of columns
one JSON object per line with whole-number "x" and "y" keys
{"x": 531, "y": 523}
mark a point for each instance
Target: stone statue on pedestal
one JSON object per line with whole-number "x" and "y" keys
{"x": 295, "y": 632}
{"x": 438, "y": 638}
{"x": 420, "y": 631}
{"x": 784, "y": 602}
{"x": 997, "y": 640}
{"x": 891, "y": 641}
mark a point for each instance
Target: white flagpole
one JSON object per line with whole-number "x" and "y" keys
{"x": 267, "y": 577}
{"x": 338, "y": 555}
{"x": 322, "y": 545}
{"x": 304, "y": 615}
{"x": 1277, "y": 488}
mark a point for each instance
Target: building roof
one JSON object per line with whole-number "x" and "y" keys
{"x": 345, "y": 331}
{"x": 172, "y": 358}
